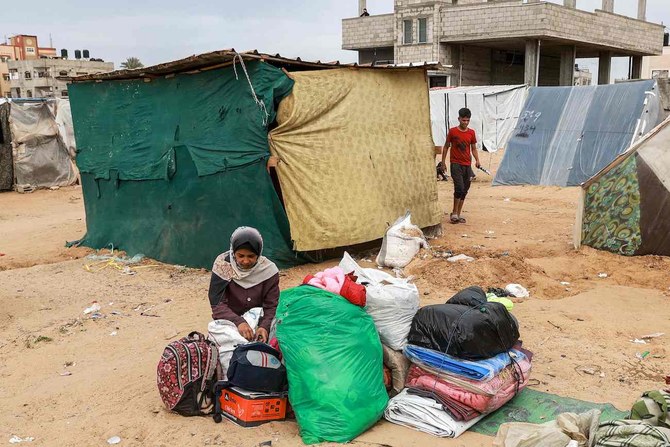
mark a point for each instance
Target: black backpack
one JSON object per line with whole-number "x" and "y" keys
{"x": 256, "y": 367}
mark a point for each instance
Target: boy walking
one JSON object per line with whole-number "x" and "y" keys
{"x": 463, "y": 144}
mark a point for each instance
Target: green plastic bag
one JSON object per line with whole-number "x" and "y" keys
{"x": 333, "y": 357}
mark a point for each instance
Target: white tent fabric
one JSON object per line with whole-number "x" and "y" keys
{"x": 426, "y": 415}
{"x": 495, "y": 111}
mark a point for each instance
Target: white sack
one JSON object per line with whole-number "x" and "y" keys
{"x": 391, "y": 302}
{"x": 401, "y": 243}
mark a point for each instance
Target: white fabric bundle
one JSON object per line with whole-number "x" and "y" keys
{"x": 426, "y": 415}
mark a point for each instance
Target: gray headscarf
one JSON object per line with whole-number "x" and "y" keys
{"x": 227, "y": 269}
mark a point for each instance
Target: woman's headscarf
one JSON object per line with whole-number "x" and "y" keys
{"x": 227, "y": 269}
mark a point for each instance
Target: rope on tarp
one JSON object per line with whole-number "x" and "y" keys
{"x": 259, "y": 103}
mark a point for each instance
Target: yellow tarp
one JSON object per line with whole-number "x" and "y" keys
{"x": 356, "y": 152}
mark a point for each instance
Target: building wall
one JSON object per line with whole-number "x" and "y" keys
{"x": 654, "y": 63}
{"x": 368, "y": 32}
{"x": 20, "y": 47}
{"x": 43, "y": 80}
{"x": 517, "y": 20}
{"x": 473, "y": 23}
{"x": 372, "y": 55}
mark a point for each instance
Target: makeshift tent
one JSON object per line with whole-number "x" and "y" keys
{"x": 625, "y": 208}
{"x": 567, "y": 134}
{"x": 6, "y": 159}
{"x": 173, "y": 157}
{"x": 495, "y": 111}
{"x": 353, "y": 159}
{"x": 41, "y": 158}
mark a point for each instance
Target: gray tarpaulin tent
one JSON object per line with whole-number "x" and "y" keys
{"x": 495, "y": 111}
{"x": 565, "y": 135}
{"x": 43, "y": 149}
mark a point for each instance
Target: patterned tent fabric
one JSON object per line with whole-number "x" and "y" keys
{"x": 356, "y": 152}
{"x": 626, "y": 207}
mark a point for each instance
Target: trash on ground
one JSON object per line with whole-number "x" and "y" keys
{"x": 114, "y": 440}
{"x": 97, "y": 316}
{"x": 591, "y": 370}
{"x": 66, "y": 373}
{"x": 460, "y": 257}
{"x": 94, "y": 307}
{"x": 15, "y": 439}
{"x": 643, "y": 355}
{"x": 602, "y": 275}
{"x": 517, "y": 290}
{"x": 565, "y": 283}
{"x": 655, "y": 335}
{"x": 638, "y": 341}
{"x": 113, "y": 333}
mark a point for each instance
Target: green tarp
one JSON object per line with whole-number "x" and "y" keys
{"x": 134, "y": 126}
{"x": 537, "y": 407}
{"x": 171, "y": 167}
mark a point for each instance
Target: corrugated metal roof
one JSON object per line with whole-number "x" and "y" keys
{"x": 222, "y": 58}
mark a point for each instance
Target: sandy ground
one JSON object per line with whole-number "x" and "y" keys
{"x": 515, "y": 234}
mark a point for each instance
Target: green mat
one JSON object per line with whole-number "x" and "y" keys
{"x": 537, "y": 407}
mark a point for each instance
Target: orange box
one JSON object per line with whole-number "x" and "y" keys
{"x": 250, "y": 408}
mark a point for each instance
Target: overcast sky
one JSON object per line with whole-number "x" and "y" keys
{"x": 159, "y": 31}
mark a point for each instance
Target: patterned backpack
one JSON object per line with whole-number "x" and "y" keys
{"x": 185, "y": 375}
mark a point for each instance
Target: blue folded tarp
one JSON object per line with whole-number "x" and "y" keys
{"x": 481, "y": 370}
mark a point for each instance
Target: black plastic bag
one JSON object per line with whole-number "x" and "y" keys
{"x": 467, "y": 326}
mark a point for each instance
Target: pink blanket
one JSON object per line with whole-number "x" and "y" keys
{"x": 330, "y": 279}
{"x": 483, "y": 397}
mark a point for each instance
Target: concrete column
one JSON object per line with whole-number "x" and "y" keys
{"x": 532, "y": 62}
{"x": 604, "y": 67}
{"x": 642, "y": 9}
{"x": 567, "y": 74}
{"x": 608, "y": 5}
{"x": 362, "y": 4}
{"x": 570, "y": 3}
{"x": 636, "y": 67}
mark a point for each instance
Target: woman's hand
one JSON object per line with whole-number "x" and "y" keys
{"x": 262, "y": 335}
{"x": 246, "y": 331}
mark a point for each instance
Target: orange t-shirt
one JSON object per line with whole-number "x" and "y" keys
{"x": 461, "y": 141}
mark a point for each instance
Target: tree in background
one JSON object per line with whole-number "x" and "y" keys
{"x": 132, "y": 62}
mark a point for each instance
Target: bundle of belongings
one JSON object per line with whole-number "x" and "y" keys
{"x": 254, "y": 389}
{"x": 467, "y": 361}
{"x": 648, "y": 426}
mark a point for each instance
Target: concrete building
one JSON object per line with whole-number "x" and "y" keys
{"x": 503, "y": 41}
{"x": 19, "y": 48}
{"x": 43, "y": 78}
{"x": 583, "y": 76}
{"x": 655, "y": 67}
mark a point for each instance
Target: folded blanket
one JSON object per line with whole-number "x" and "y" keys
{"x": 480, "y": 370}
{"x": 456, "y": 410}
{"x": 426, "y": 415}
{"x": 507, "y": 384}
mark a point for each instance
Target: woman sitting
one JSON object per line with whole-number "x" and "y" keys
{"x": 243, "y": 279}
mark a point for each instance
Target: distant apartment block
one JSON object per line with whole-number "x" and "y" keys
{"x": 658, "y": 67}
{"x": 583, "y": 76}
{"x": 19, "y": 48}
{"x": 28, "y": 71}
{"x": 503, "y": 41}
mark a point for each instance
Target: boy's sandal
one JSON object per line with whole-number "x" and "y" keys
{"x": 454, "y": 219}
{"x": 461, "y": 220}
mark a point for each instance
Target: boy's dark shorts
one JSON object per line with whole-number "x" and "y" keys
{"x": 461, "y": 175}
